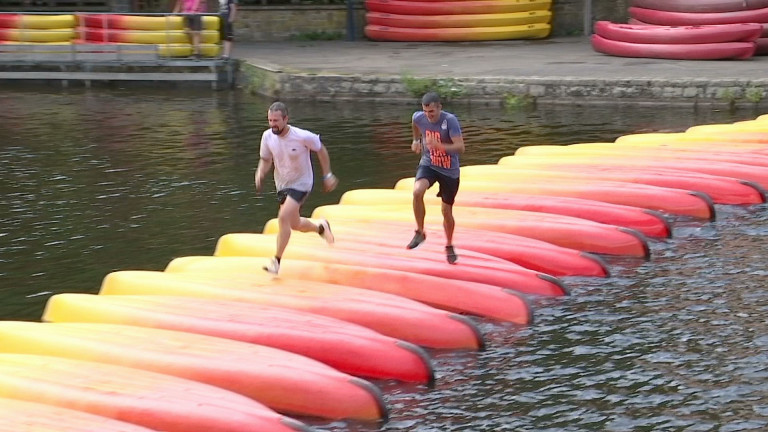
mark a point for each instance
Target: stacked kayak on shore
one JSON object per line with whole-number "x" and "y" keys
{"x": 37, "y": 28}
{"x": 215, "y": 343}
{"x": 457, "y": 20}
{"x": 165, "y": 35}
{"x": 167, "y": 32}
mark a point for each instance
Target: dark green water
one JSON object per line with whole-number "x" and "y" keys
{"x": 97, "y": 181}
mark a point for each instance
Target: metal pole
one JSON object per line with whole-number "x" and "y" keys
{"x": 350, "y": 20}
{"x": 587, "y": 17}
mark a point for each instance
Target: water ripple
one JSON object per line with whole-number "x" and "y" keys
{"x": 677, "y": 343}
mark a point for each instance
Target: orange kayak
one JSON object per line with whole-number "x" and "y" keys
{"x": 348, "y": 347}
{"x": 284, "y": 381}
{"x": 153, "y": 400}
{"x": 391, "y": 315}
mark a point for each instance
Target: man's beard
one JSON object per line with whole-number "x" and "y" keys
{"x": 277, "y": 131}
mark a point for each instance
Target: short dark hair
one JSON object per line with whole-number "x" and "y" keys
{"x": 279, "y": 107}
{"x": 430, "y": 98}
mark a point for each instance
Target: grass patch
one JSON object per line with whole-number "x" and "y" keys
{"x": 447, "y": 88}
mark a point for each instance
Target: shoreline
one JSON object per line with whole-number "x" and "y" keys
{"x": 550, "y": 71}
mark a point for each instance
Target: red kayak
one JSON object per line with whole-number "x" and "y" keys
{"x": 406, "y": 7}
{"x": 744, "y": 32}
{"x": 722, "y": 190}
{"x": 700, "y": 6}
{"x": 286, "y": 382}
{"x": 387, "y": 314}
{"x": 756, "y": 174}
{"x": 652, "y": 16}
{"x": 704, "y": 51}
{"x": 19, "y": 415}
{"x": 565, "y": 231}
{"x": 522, "y": 280}
{"x": 530, "y": 253}
{"x": 348, "y": 347}
{"x": 156, "y": 401}
{"x": 647, "y": 222}
{"x": 673, "y": 201}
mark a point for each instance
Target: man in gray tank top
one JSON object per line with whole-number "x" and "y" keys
{"x": 437, "y": 136}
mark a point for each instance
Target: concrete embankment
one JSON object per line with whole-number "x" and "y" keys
{"x": 564, "y": 70}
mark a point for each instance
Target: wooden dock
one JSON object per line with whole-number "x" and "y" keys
{"x": 89, "y": 63}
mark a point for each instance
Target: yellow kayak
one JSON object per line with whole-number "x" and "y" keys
{"x": 722, "y": 138}
{"x": 137, "y": 22}
{"x": 41, "y": 35}
{"x": 144, "y": 36}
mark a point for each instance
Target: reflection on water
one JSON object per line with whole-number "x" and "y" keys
{"x": 97, "y": 181}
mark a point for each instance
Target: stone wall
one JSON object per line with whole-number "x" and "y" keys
{"x": 275, "y": 23}
{"x": 568, "y": 15}
{"x": 501, "y": 90}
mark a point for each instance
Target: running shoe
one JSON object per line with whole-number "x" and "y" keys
{"x": 450, "y": 255}
{"x": 273, "y": 266}
{"x": 325, "y": 231}
{"x": 418, "y": 238}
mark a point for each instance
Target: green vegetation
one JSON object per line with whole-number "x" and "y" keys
{"x": 318, "y": 35}
{"x": 732, "y": 97}
{"x": 447, "y": 88}
{"x": 258, "y": 81}
{"x": 514, "y": 101}
{"x": 754, "y": 94}
{"x": 729, "y": 97}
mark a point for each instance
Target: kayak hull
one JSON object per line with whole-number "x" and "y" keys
{"x": 703, "y": 51}
{"x": 645, "y": 221}
{"x": 643, "y": 34}
{"x": 390, "y": 315}
{"x": 350, "y": 348}
{"x": 530, "y": 253}
{"x": 283, "y": 381}
{"x": 149, "y": 399}
{"x": 518, "y": 279}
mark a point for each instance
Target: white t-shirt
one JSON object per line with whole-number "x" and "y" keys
{"x": 291, "y": 156}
